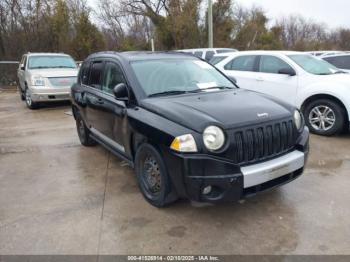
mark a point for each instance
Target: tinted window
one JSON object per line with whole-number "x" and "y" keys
{"x": 95, "y": 74}
{"x": 112, "y": 77}
{"x": 198, "y": 54}
{"x": 220, "y": 51}
{"x": 209, "y": 55}
{"x": 271, "y": 64}
{"x": 217, "y": 59}
{"x": 339, "y": 61}
{"x": 84, "y": 73}
{"x": 242, "y": 63}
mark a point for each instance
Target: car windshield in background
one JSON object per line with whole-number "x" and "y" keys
{"x": 176, "y": 76}
{"x": 217, "y": 59}
{"x": 38, "y": 62}
{"x": 314, "y": 65}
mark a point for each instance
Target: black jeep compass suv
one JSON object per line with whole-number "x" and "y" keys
{"x": 187, "y": 129}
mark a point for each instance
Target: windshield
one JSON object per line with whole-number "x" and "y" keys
{"x": 178, "y": 75}
{"x": 314, "y": 65}
{"x": 217, "y": 59}
{"x": 38, "y": 62}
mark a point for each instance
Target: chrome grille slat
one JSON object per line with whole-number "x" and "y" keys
{"x": 62, "y": 81}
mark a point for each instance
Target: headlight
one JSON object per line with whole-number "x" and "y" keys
{"x": 298, "y": 119}
{"x": 38, "y": 81}
{"x": 213, "y": 138}
{"x": 185, "y": 143}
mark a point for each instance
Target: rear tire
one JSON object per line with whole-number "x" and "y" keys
{"x": 324, "y": 117}
{"x": 152, "y": 176}
{"x": 21, "y": 93}
{"x": 83, "y": 132}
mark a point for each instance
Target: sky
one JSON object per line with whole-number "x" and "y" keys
{"x": 333, "y": 13}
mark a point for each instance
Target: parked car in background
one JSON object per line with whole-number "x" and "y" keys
{"x": 185, "y": 127}
{"x": 219, "y": 57}
{"x": 207, "y": 53}
{"x": 324, "y": 53}
{"x": 320, "y": 90}
{"x": 341, "y": 61}
{"x": 46, "y": 77}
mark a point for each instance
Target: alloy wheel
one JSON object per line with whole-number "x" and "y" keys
{"x": 28, "y": 98}
{"x": 322, "y": 118}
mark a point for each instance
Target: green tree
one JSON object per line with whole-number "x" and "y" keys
{"x": 87, "y": 39}
{"x": 60, "y": 27}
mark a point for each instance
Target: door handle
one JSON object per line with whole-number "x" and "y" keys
{"x": 260, "y": 79}
{"x": 100, "y": 101}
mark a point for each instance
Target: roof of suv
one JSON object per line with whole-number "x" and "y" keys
{"x": 47, "y": 54}
{"x": 141, "y": 55}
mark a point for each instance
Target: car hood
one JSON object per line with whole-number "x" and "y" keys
{"x": 227, "y": 109}
{"x": 337, "y": 78}
{"x": 54, "y": 72}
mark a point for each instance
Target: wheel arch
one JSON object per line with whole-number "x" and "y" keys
{"x": 325, "y": 96}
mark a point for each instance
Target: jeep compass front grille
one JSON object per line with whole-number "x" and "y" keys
{"x": 259, "y": 143}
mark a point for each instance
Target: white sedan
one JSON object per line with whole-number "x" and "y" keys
{"x": 320, "y": 90}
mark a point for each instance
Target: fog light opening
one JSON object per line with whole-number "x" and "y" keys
{"x": 207, "y": 190}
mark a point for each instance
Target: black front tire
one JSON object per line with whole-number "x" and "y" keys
{"x": 165, "y": 193}
{"x": 83, "y": 132}
{"x": 338, "y": 117}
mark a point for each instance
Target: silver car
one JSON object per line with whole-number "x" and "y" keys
{"x": 45, "y": 77}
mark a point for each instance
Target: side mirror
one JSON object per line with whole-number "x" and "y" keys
{"x": 287, "y": 71}
{"x": 121, "y": 92}
{"x": 233, "y": 79}
{"x": 22, "y": 67}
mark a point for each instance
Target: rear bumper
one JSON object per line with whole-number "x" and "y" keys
{"x": 46, "y": 94}
{"x": 230, "y": 182}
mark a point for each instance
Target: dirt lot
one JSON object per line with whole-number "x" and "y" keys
{"x": 58, "y": 197}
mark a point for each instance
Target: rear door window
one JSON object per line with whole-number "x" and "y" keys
{"x": 242, "y": 63}
{"x": 272, "y": 64}
{"x": 84, "y": 73}
{"x": 95, "y": 74}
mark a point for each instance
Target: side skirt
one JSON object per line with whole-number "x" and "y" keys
{"x": 109, "y": 147}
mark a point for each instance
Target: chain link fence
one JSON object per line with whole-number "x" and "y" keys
{"x": 8, "y": 74}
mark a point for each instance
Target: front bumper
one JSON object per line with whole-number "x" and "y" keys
{"x": 230, "y": 182}
{"x": 46, "y": 94}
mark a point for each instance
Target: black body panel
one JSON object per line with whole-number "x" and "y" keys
{"x": 257, "y": 128}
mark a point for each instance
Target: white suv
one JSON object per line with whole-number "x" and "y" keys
{"x": 320, "y": 90}
{"x": 207, "y": 53}
{"x": 45, "y": 77}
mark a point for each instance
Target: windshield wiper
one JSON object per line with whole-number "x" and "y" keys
{"x": 63, "y": 67}
{"x": 171, "y": 92}
{"x": 340, "y": 72}
{"x": 210, "y": 88}
{"x": 39, "y": 67}
{"x": 180, "y": 92}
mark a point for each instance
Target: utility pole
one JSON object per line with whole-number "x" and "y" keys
{"x": 210, "y": 24}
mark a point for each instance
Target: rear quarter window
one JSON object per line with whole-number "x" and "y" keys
{"x": 84, "y": 73}
{"x": 241, "y": 63}
{"x": 95, "y": 74}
